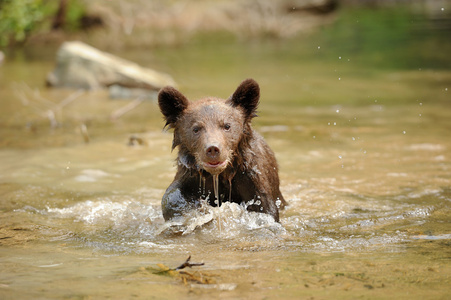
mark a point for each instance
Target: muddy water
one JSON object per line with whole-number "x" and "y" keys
{"x": 364, "y": 165}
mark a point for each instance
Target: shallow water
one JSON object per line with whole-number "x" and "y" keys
{"x": 364, "y": 165}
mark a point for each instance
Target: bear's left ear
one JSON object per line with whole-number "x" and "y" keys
{"x": 246, "y": 96}
{"x": 172, "y": 104}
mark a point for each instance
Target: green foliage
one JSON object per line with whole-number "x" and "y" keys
{"x": 17, "y": 18}
{"x": 20, "y": 18}
{"x": 76, "y": 10}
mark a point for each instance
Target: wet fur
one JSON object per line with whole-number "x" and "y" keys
{"x": 251, "y": 173}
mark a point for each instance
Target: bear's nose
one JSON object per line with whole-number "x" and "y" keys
{"x": 213, "y": 152}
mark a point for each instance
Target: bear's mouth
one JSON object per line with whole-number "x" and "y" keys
{"x": 214, "y": 165}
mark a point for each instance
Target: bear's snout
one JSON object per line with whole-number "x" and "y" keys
{"x": 213, "y": 152}
{"x": 213, "y": 161}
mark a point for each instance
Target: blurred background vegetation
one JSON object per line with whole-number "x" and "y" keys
{"x": 20, "y": 19}
{"x": 372, "y": 27}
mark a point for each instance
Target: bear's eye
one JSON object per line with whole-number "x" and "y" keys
{"x": 227, "y": 127}
{"x": 196, "y": 129}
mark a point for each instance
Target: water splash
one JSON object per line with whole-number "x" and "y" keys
{"x": 131, "y": 226}
{"x": 124, "y": 224}
{"x": 216, "y": 189}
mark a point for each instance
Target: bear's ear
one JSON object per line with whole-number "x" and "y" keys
{"x": 172, "y": 103}
{"x": 246, "y": 96}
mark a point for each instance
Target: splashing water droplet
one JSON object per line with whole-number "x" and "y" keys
{"x": 216, "y": 189}
{"x": 230, "y": 189}
{"x": 217, "y": 199}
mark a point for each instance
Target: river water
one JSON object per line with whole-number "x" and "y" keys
{"x": 361, "y": 137}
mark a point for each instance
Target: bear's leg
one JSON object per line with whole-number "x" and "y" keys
{"x": 176, "y": 203}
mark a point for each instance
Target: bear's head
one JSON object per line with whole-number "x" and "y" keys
{"x": 209, "y": 131}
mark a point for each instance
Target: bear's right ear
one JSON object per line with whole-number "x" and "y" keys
{"x": 172, "y": 103}
{"x": 246, "y": 96}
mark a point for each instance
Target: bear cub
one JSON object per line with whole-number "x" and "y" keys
{"x": 219, "y": 153}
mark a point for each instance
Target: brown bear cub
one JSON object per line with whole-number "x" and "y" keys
{"x": 221, "y": 158}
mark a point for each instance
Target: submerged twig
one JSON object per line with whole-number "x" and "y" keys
{"x": 70, "y": 98}
{"x": 188, "y": 264}
{"x": 185, "y": 276}
{"x": 43, "y": 106}
{"x": 84, "y": 133}
{"x": 123, "y": 110}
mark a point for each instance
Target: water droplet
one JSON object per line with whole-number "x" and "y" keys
{"x": 216, "y": 189}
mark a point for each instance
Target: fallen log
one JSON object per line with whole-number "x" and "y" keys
{"x": 79, "y": 65}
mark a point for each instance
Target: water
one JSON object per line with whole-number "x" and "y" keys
{"x": 364, "y": 164}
